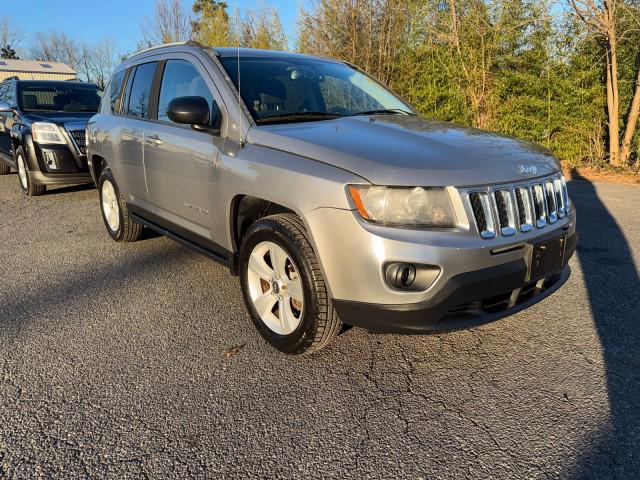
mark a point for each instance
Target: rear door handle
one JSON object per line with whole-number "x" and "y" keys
{"x": 154, "y": 140}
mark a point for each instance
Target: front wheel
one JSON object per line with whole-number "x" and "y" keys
{"x": 115, "y": 213}
{"x": 283, "y": 286}
{"x": 25, "y": 178}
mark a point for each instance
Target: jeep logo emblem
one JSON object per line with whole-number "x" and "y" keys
{"x": 527, "y": 169}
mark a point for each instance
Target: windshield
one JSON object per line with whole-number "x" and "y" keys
{"x": 59, "y": 98}
{"x": 278, "y": 90}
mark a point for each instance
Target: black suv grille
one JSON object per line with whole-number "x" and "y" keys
{"x": 80, "y": 137}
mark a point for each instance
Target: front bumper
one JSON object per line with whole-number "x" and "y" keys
{"x": 479, "y": 280}
{"x": 466, "y": 300}
{"x": 71, "y": 167}
{"x": 61, "y": 178}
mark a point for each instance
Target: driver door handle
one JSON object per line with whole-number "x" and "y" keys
{"x": 154, "y": 140}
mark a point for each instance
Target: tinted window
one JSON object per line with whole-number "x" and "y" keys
{"x": 180, "y": 79}
{"x": 115, "y": 91}
{"x": 275, "y": 87}
{"x": 58, "y": 97}
{"x": 3, "y": 89}
{"x": 138, "y": 105}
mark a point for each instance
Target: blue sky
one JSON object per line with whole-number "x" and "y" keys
{"x": 90, "y": 20}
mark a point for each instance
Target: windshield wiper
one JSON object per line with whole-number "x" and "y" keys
{"x": 384, "y": 111}
{"x": 296, "y": 116}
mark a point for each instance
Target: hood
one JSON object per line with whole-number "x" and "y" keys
{"x": 410, "y": 150}
{"x": 59, "y": 118}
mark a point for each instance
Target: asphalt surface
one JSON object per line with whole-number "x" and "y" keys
{"x": 112, "y": 365}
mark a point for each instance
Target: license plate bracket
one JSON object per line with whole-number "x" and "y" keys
{"x": 546, "y": 257}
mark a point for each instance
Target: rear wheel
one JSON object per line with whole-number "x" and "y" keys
{"x": 115, "y": 213}
{"x": 283, "y": 286}
{"x": 25, "y": 178}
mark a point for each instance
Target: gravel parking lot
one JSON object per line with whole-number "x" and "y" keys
{"x": 112, "y": 365}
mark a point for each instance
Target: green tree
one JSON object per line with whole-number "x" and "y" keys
{"x": 9, "y": 53}
{"x": 614, "y": 23}
{"x": 368, "y": 33}
{"x": 211, "y": 26}
{"x": 262, "y": 29}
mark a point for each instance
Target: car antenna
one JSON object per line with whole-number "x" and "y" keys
{"x": 240, "y": 112}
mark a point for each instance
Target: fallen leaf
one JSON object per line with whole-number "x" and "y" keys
{"x": 233, "y": 351}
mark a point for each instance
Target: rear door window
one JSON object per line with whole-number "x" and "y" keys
{"x": 140, "y": 93}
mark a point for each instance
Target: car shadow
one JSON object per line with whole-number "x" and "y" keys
{"x": 17, "y": 311}
{"x": 613, "y": 289}
{"x": 51, "y": 190}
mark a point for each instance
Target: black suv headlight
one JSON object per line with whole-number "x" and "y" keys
{"x": 47, "y": 133}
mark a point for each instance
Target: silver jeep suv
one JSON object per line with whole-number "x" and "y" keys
{"x": 328, "y": 194}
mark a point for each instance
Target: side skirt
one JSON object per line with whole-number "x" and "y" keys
{"x": 212, "y": 251}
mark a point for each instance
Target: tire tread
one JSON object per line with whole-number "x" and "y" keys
{"x": 130, "y": 230}
{"x": 33, "y": 189}
{"x": 329, "y": 324}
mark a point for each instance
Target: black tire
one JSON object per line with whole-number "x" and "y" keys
{"x": 27, "y": 184}
{"x": 5, "y": 169}
{"x": 319, "y": 322}
{"x": 128, "y": 230}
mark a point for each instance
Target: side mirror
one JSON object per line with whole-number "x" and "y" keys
{"x": 189, "y": 111}
{"x": 5, "y": 107}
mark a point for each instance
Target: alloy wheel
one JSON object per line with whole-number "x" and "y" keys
{"x": 22, "y": 172}
{"x": 275, "y": 288}
{"x": 110, "y": 207}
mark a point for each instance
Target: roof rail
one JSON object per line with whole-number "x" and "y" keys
{"x": 189, "y": 43}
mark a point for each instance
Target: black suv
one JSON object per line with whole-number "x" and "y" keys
{"x": 42, "y": 131}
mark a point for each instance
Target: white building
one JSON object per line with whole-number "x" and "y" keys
{"x": 35, "y": 70}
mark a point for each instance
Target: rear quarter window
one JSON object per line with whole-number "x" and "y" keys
{"x": 139, "y": 95}
{"x": 114, "y": 91}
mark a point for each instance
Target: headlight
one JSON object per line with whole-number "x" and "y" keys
{"x": 46, "y": 133}
{"x": 404, "y": 206}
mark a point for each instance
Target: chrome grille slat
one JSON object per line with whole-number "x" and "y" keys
{"x": 565, "y": 195}
{"x": 525, "y": 208}
{"x": 539, "y": 205}
{"x": 550, "y": 201}
{"x": 507, "y": 210}
{"x": 483, "y": 214}
{"x": 557, "y": 188}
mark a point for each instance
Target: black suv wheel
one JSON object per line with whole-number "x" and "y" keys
{"x": 24, "y": 176}
{"x": 283, "y": 286}
{"x": 116, "y": 216}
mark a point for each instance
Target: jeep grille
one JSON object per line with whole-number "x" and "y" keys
{"x": 522, "y": 207}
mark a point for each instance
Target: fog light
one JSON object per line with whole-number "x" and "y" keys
{"x": 410, "y": 277}
{"x": 50, "y": 159}
{"x": 401, "y": 275}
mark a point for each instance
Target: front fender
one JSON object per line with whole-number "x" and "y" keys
{"x": 24, "y": 139}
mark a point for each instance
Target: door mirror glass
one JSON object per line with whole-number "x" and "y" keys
{"x": 189, "y": 111}
{"x": 5, "y": 107}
